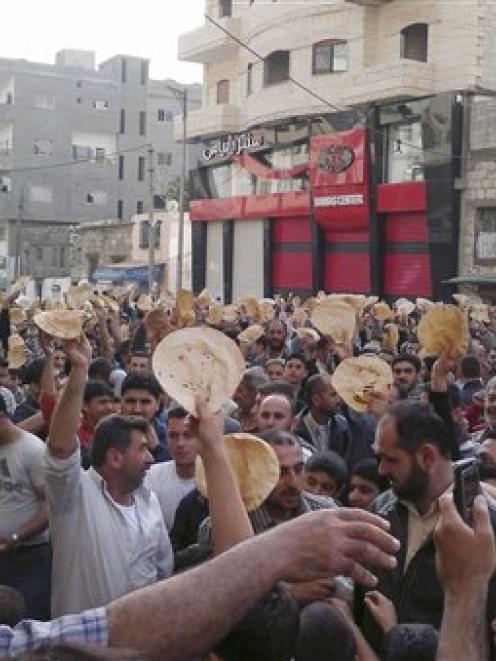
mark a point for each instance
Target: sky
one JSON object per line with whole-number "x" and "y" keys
{"x": 36, "y": 29}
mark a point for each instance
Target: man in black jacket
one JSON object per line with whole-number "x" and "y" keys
{"x": 414, "y": 449}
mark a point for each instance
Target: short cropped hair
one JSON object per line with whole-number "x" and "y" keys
{"x": 100, "y": 368}
{"x": 139, "y": 381}
{"x": 33, "y": 371}
{"x": 278, "y": 388}
{"x": 276, "y": 437}
{"x": 408, "y": 358}
{"x": 94, "y": 389}
{"x": 417, "y": 424}
{"x": 254, "y": 378}
{"x": 368, "y": 469}
{"x": 115, "y": 431}
{"x": 177, "y": 413}
{"x": 328, "y": 462}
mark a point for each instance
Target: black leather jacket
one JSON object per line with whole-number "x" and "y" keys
{"x": 416, "y": 593}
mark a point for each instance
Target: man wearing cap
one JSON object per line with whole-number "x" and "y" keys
{"x": 24, "y": 547}
{"x": 108, "y": 533}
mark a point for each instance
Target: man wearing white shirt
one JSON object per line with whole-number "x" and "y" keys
{"x": 172, "y": 480}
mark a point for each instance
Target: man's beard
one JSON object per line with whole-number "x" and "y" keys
{"x": 487, "y": 470}
{"x": 415, "y": 485}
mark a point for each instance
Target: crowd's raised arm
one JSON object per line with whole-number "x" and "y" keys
{"x": 276, "y": 479}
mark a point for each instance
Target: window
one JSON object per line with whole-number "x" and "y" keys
{"x": 142, "y": 122}
{"x": 249, "y": 79}
{"x": 330, "y": 56}
{"x": 144, "y": 234}
{"x": 225, "y": 8}
{"x": 161, "y": 115}
{"x": 414, "y": 42}
{"x": 96, "y": 197}
{"x": 122, "y": 122}
{"x": 276, "y": 67}
{"x": 485, "y": 240}
{"x": 62, "y": 257}
{"x": 55, "y": 254}
{"x": 141, "y": 168}
{"x": 123, "y": 70}
{"x": 79, "y": 83}
{"x": 144, "y": 72}
{"x": 164, "y": 158}
{"x": 139, "y": 206}
{"x": 120, "y": 209}
{"x": 169, "y": 116}
{"x": 40, "y": 194}
{"x": 81, "y": 152}
{"x": 100, "y": 104}
{"x": 43, "y": 147}
{"x": 405, "y": 153}
{"x": 159, "y": 201}
{"x": 99, "y": 153}
{"x": 38, "y": 251}
{"x": 5, "y": 183}
{"x": 121, "y": 167}
{"x": 45, "y": 101}
{"x": 222, "y": 92}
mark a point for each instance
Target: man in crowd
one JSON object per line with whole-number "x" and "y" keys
{"x": 141, "y": 395}
{"x": 4, "y": 372}
{"x": 31, "y": 378}
{"x": 275, "y": 412}
{"x": 275, "y": 368}
{"x": 24, "y": 546}
{"x": 326, "y": 474}
{"x": 295, "y": 373}
{"x": 139, "y": 361}
{"x": 172, "y": 480}
{"x": 319, "y": 424}
{"x": 406, "y": 372}
{"x": 108, "y": 533}
{"x": 276, "y": 338}
{"x": 414, "y": 449}
{"x": 470, "y": 379}
{"x": 245, "y": 398}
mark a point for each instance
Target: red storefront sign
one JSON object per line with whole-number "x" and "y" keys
{"x": 339, "y": 177}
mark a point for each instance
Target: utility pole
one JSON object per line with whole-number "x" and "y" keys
{"x": 20, "y": 211}
{"x": 182, "y": 184}
{"x": 151, "y": 221}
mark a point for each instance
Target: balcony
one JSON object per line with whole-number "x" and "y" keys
{"x": 395, "y": 80}
{"x": 210, "y": 122}
{"x": 208, "y": 43}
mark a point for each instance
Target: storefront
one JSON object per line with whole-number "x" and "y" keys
{"x": 362, "y": 201}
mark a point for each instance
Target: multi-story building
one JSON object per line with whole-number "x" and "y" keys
{"x": 336, "y": 142}
{"x": 74, "y": 147}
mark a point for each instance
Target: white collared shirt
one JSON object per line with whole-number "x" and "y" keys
{"x": 95, "y": 555}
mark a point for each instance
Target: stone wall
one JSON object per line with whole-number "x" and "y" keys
{"x": 102, "y": 242}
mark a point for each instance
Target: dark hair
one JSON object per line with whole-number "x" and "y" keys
{"x": 139, "y": 353}
{"x": 411, "y": 642}
{"x": 315, "y": 385}
{"x": 32, "y": 372}
{"x": 176, "y": 412}
{"x": 368, "y": 469}
{"x": 328, "y": 462}
{"x": 278, "y": 321}
{"x": 278, "y": 388}
{"x": 417, "y": 424}
{"x": 3, "y": 404}
{"x": 94, "y": 389}
{"x": 276, "y": 437}
{"x": 114, "y": 431}
{"x": 100, "y": 368}
{"x": 470, "y": 367}
{"x": 408, "y": 358}
{"x": 139, "y": 381}
{"x": 324, "y": 634}
{"x": 297, "y": 355}
{"x": 267, "y": 633}
{"x": 254, "y": 378}
{"x": 12, "y": 606}
{"x": 4, "y": 362}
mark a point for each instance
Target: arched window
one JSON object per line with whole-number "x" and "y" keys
{"x": 222, "y": 92}
{"x": 330, "y": 56}
{"x": 276, "y": 67}
{"x": 414, "y": 42}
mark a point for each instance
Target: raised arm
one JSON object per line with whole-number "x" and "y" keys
{"x": 230, "y": 522}
{"x": 67, "y": 415}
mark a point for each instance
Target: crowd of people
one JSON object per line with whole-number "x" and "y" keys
{"x": 111, "y": 548}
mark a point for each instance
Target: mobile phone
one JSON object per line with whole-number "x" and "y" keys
{"x": 466, "y": 488}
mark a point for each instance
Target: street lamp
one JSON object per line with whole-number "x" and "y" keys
{"x": 182, "y": 95}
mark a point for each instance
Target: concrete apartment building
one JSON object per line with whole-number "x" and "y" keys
{"x": 73, "y": 148}
{"x": 357, "y": 175}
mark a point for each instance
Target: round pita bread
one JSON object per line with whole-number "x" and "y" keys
{"x": 145, "y": 303}
{"x": 443, "y": 329}
{"x": 355, "y": 379}
{"x": 480, "y": 312}
{"x": 194, "y": 361}
{"x": 157, "y": 323}
{"x": 255, "y": 465}
{"x": 16, "y": 354}
{"x": 382, "y": 311}
{"x": 17, "y": 316}
{"x": 184, "y": 302}
{"x": 307, "y": 333}
{"x": 251, "y": 334}
{"x": 214, "y": 317}
{"x": 404, "y": 307}
{"x": 20, "y": 284}
{"x": 357, "y": 301}
{"x": 230, "y": 314}
{"x": 62, "y": 324}
{"x": 335, "y": 319}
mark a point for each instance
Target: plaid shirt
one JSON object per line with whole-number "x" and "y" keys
{"x": 88, "y": 628}
{"x": 261, "y": 520}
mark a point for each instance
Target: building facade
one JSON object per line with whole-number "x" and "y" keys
{"x": 336, "y": 143}
{"x": 74, "y": 147}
